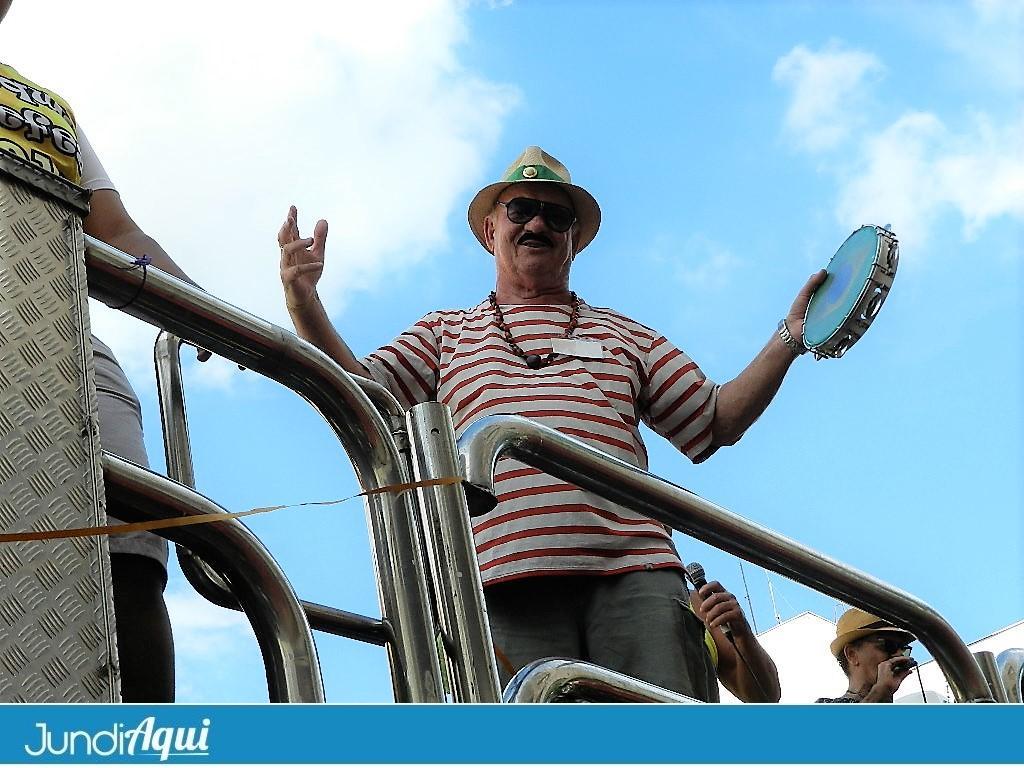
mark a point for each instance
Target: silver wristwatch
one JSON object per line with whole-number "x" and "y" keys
{"x": 794, "y": 344}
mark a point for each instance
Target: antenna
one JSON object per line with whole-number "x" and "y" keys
{"x": 746, "y": 590}
{"x": 837, "y": 608}
{"x": 771, "y": 591}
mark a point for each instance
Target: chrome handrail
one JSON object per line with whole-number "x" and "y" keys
{"x": 990, "y": 669}
{"x": 178, "y": 454}
{"x": 267, "y": 349}
{"x": 262, "y": 590}
{"x": 1011, "y": 670}
{"x": 451, "y": 553}
{"x": 569, "y": 680}
{"x": 573, "y": 461}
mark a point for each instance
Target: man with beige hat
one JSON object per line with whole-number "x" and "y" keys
{"x": 566, "y": 573}
{"x": 874, "y": 655}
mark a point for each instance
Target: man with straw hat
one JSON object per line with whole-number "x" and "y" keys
{"x": 873, "y": 654}
{"x": 566, "y": 573}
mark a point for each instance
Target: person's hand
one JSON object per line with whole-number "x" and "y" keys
{"x": 718, "y": 607}
{"x": 889, "y": 679}
{"x": 302, "y": 260}
{"x": 795, "y": 318}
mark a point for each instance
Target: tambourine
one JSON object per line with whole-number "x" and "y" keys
{"x": 859, "y": 278}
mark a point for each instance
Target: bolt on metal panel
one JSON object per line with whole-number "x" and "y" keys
{"x": 57, "y": 641}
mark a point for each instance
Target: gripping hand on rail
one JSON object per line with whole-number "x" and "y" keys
{"x": 302, "y": 264}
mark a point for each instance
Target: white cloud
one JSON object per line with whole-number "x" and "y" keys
{"x": 203, "y": 630}
{"x": 827, "y": 92}
{"x": 697, "y": 261}
{"x": 706, "y": 265}
{"x": 217, "y": 657}
{"x": 920, "y": 166}
{"x": 916, "y": 169}
{"x": 998, "y": 11}
{"x": 213, "y": 117}
{"x": 991, "y": 39}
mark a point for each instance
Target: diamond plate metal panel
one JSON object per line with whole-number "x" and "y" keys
{"x": 57, "y": 640}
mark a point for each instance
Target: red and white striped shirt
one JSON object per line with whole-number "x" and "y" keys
{"x": 543, "y": 526}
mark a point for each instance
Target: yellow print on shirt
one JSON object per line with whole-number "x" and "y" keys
{"x": 38, "y": 126}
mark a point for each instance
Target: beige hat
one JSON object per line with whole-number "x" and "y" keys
{"x": 536, "y": 165}
{"x": 855, "y": 624}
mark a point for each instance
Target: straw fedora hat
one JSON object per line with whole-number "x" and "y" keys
{"x": 536, "y": 165}
{"x": 855, "y": 624}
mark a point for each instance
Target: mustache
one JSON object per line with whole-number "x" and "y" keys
{"x": 534, "y": 237}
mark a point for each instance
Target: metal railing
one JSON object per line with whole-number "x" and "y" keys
{"x": 1010, "y": 664}
{"x": 990, "y": 669}
{"x": 452, "y": 555}
{"x": 367, "y": 438}
{"x": 178, "y": 453}
{"x": 463, "y": 631}
{"x": 257, "y": 582}
{"x": 428, "y": 580}
{"x": 571, "y": 681}
{"x": 573, "y": 461}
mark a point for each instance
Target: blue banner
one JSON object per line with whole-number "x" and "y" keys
{"x": 271, "y": 734}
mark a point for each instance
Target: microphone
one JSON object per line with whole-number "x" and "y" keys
{"x": 696, "y": 572}
{"x": 903, "y": 665}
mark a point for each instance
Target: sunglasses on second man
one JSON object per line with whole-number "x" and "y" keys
{"x": 891, "y": 646}
{"x": 520, "y": 210}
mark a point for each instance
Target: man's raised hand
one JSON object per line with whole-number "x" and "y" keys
{"x": 302, "y": 260}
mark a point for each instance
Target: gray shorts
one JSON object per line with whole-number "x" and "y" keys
{"x": 637, "y": 623}
{"x": 120, "y": 418}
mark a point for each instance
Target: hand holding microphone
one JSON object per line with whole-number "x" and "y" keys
{"x": 898, "y": 668}
{"x": 722, "y": 602}
{"x": 749, "y": 679}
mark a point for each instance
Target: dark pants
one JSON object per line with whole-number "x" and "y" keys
{"x": 145, "y": 647}
{"x": 636, "y": 623}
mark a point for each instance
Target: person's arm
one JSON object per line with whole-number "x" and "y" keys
{"x": 758, "y": 683}
{"x": 742, "y": 400}
{"x": 110, "y": 222}
{"x": 302, "y": 264}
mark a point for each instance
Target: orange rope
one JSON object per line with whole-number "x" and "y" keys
{"x": 502, "y": 659}
{"x": 177, "y": 522}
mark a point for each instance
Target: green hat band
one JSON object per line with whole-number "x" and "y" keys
{"x": 533, "y": 173}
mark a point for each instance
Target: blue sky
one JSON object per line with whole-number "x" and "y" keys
{"x": 732, "y": 146}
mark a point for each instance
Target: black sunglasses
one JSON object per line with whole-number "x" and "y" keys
{"x": 522, "y": 209}
{"x": 891, "y": 646}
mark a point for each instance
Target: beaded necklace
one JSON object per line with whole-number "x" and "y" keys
{"x": 534, "y": 361}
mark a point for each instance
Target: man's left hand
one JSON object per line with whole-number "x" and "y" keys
{"x": 795, "y": 318}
